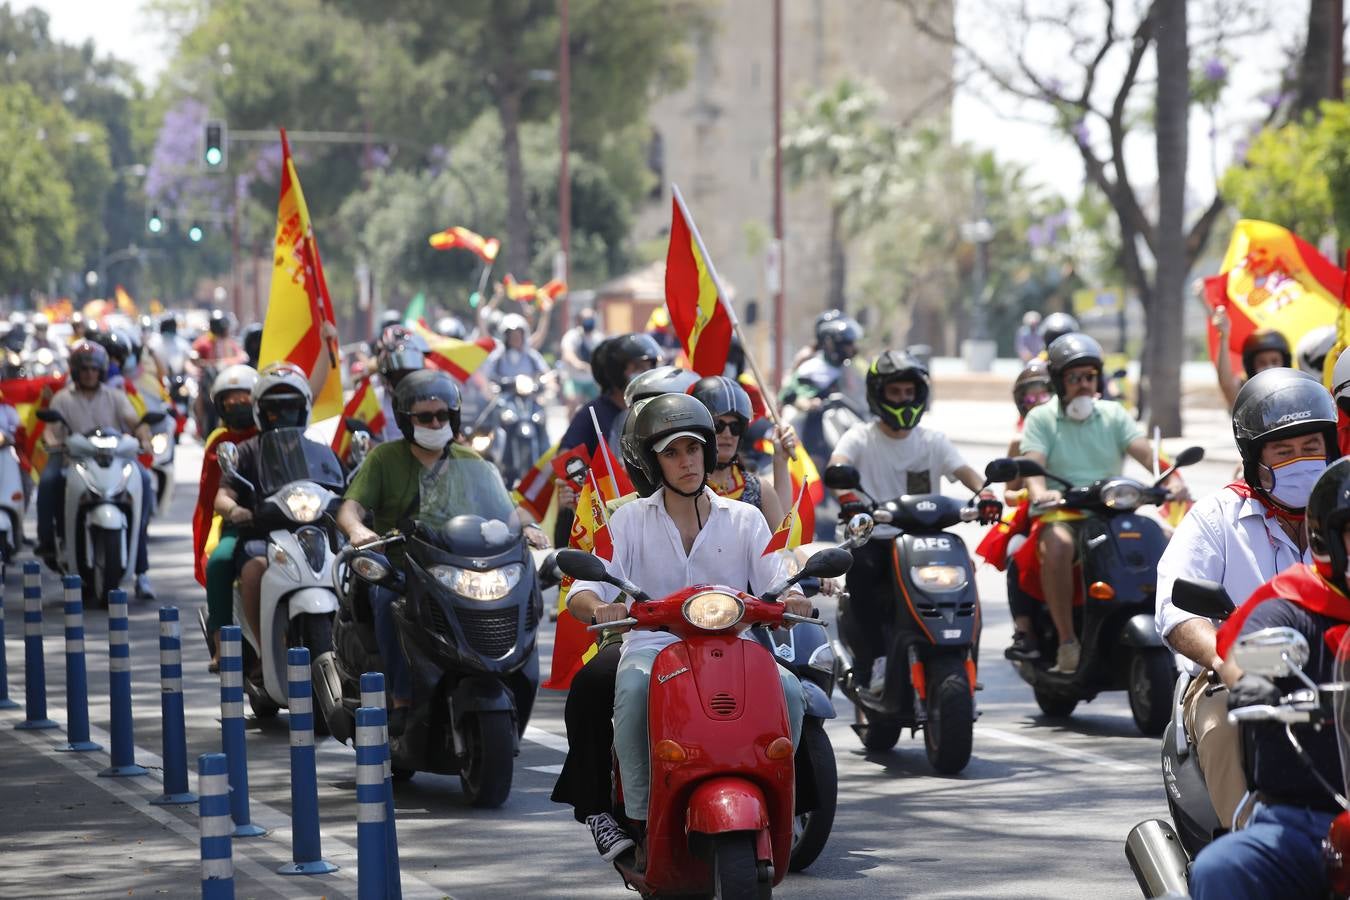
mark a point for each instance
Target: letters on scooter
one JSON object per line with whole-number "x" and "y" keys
{"x": 932, "y": 543}
{"x": 662, "y": 679}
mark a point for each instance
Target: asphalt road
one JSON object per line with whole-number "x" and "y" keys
{"x": 1041, "y": 811}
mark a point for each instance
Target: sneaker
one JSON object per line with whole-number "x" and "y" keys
{"x": 143, "y": 589}
{"x": 1023, "y": 647}
{"x": 610, "y": 838}
{"x": 1066, "y": 660}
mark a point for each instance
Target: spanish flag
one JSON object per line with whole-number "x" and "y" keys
{"x": 205, "y": 523}
{"x": 698, "y": 312}
{"x": 125, "y": 305}
{"x": 364, "y": 406}
{"x": 521, "y": 291}
{"x": 458, "y": 358}
{"x": 535, "y": 489}
{"x": 27, "y": 396}
{"x": 573, "y": 645}
{"x": 459, "y": 237}
{"x": 1271, "y": 278}
{"x": 298, "y": 303}
{"x": 798, "y": 526}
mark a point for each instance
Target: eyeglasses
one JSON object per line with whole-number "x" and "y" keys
{"x": 430, "y": 418}
{"x": 1081, "y": 378}
{"x": 736, "y": 427}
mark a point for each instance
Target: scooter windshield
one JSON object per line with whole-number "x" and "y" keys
{"x": 459, "y": 487}
{"x": 285, "y": 456}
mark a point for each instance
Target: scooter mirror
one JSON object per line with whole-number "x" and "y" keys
{"x": 49, "y": 415}
{"x": 356, "y": 426}
{"x": 842, "y": 478}
{"x": 1029, "y": 468}
{"x": 1202, "y": 598}
{"x": 361, "y": 442}
{"x": 582, "y": 565}
{"x": 1000, "y": 471}
{"x": 1272, "y": 652}
{"x": 154, "y": 417}
{"x": 859, "y": 529}
{"x": 227, "y": 454}
{"x": 832, "y": 562}
{"x": 1189, "y": 457}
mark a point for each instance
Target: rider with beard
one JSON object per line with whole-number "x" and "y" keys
{"x": 682, "y": 534}
{"x": 1284, "y": 425}
{"x": 1082, "y": 439}
{"x": 1279, "y": 852}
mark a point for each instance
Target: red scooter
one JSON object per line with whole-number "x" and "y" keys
{"x": 720, "y": 811}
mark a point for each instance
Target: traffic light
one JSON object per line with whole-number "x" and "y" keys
{"x": 155, "y": 224}
{"x": 195, "y": 233}
{"x": 215, "y": 146}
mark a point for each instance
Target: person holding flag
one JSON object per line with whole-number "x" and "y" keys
{"x": 682, "y": 534}
{"x": 729, "y": 405}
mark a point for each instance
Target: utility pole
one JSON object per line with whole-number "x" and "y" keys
{"x": 776, "y": 279}
{"x": 1337, "y": 50}
{"x": 564, "y": 176}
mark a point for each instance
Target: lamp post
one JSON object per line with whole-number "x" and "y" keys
{"x": 979, "y": 350}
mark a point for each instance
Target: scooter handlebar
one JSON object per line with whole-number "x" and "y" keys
{"x": 1267, "y": 713}
{"x": 620, "y": 623}
{"x": 808, "y": 620}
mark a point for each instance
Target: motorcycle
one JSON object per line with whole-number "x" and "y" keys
{"x": 13, "y": 502}
{"x": 297, "y": 495}
{"x": 1118, "y": 551}
{"x": 162, "y": 449}
{"x": 511, "y": 428}
{"x": 467, "y": 618}
{"x": 721, "y": 805}
{"x": 101, "y": 530}
{"x": 925, "y": 678}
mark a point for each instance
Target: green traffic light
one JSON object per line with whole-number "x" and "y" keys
{"x": 155, "y": 225}
{"x": 195, "y": 234}
{"x": 213, "y": 156}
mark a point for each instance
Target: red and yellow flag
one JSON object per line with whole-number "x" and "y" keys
{"x": 298, "y": 303}
{"x": 551, "y": 290}
{"x": 205, "y": 523}
{"x": 1271, "y": 278}
{"x": 27, "y": 396}
{"x": 459, "y": 237}
{"x": 364, "y": 406}
{"x": 459, "y": 359}
{"x": 573, "y": 645}
{"x": 698, "y": 313}
{"x": 125, "y": 304}
{"x": 798, "y": 526}
{"x": 522, "y": 291}
{"x": 535, "y": 489}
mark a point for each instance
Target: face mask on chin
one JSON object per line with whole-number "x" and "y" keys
{"x": 1080, "y": 408}
{"x": 432, "y": 438}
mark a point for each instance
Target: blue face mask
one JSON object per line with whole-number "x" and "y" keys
{"x": 1294, "y": 480}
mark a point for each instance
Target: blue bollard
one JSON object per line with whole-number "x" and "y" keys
{"x": 5, "y": 701}
{"x": 232, "y": 728}
{"x": 77, "y": 679}
{"x": 306, "y": 856}
{"x": 213, "y": 810}
{"x": 119, "y": 691}
{"x": 372, "y": 867}
{"x": 34, "y": 669}
{"x": 372, "y": 695}
{"x": 173, "y": 732}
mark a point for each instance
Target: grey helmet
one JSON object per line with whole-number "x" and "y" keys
{"x": 661, "y": 380}
{"x": 664, "y": 418}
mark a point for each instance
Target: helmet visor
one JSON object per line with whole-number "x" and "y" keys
{"x": 669, "y": 439}
{"x": 283, "y": 410}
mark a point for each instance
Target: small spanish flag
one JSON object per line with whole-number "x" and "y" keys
{"x": 364, "y": 406}
{"x": 459, "y": 237}
{"x": 798, "y": 526}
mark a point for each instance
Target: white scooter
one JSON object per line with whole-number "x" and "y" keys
{"x": 13, "y": 500}
{"x": 162, "y": 446}
{"x": 295, "y": 502}
{"x": 101, "y": 533}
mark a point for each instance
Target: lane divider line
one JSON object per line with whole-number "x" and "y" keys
{"x": 1087, "y": 756}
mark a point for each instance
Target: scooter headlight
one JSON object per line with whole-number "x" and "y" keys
{"x": 1121, "y": 495}
{"x": 302, "y": 501}
{"x": 105, "y": 441}
{"x": 481, "y": 443}
{"x": 159, "y": 443}
{"x": 526, "y": 430}
{"x": 509, "y": 418}
{"x": 713, "y": 610}
{"x": 524, "y": 385}
{"x": 494, "y": 584}
{"x": 822, "y": 659}
{"x": 938, "y": 578}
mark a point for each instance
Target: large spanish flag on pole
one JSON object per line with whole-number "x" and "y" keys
{"x": 699, "y": 312}
{"x": 1271, "y": 278}
{"x": 298, "y": 303}
{"x": 460, "y": 359}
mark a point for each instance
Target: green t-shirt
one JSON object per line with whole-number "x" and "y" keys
{"x": 1081, "y": 452}
{"x": 387, "y": 482}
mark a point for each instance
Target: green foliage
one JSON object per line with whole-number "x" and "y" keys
{"x": 37, "y": 209}
{"x": 1286, "y": 176}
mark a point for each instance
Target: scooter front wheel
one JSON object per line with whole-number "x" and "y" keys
{"x": 875, "y": 736}
{"x": 1055, "y": 707}
{"x": 489, "y": 758}
{"x": 948, "y": 735}
{"x": 735, "y": 871}
{"x": 1152, "y": 677}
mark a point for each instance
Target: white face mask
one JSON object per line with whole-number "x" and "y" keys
{"x": 432, "y": 438}
{"x": 1080, "y": 408}
{"x": 1294, "y": 480}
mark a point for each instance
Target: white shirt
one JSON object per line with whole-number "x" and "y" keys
{"x": 1227, "y": 539}
{"x": 648, "y": 551}
{"x": 892, "y": 467}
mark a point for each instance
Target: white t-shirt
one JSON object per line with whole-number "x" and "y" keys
{"x": 892, "y": 467}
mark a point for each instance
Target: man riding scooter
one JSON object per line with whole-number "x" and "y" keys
{"x": 1082, "y": 439}
{"x": 87, "y": 403}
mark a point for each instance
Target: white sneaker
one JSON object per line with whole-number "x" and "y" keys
{"x": 1066, "y": 660}
{"x": 610, "y": 838}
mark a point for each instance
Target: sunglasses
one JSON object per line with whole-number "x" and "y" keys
{"x": 737, "y": 428}
{"x": 1081, "y": 378}
{"x": 430, "y": 418}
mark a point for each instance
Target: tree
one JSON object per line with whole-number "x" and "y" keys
{"x": 37, "y": 210}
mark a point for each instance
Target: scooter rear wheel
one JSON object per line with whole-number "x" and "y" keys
{"x": 735, "y": 871}
{"x": 810, "y": 830}
{"x": 1055, "y": 707}
{"x": 876, "y": 736}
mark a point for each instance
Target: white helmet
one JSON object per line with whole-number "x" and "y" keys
{"x": 1313, "y": 348}
{"x": 1340, "y": 380}
{"x": 513, "y": 322}
{"x": 272, "y": 407}
{"x": 235, "y": 378}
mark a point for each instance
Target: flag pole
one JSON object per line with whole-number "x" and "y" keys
{"x": 600, "y": 442}
{"x": 770, "y": 406}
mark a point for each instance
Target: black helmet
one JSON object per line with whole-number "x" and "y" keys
{"x": 1313, "y": 348}
{"x": 631, "y": 453}
{"x": 87, "y": 353}
{"x": 424, "y": 384}
{"x": 1277, "y": 404}
{"x": 400, "y": 353}
{"x": 115, "y": 342}
{"x": 723, "y": 397}
{"x": 828, "y": 315}
{"x": 1261, "y": 340}
{"x": 661, "y": 380}
{"x": 838, "y": 339}
{"x": 1069, "y": 350}
{"x": 252, "y": 342}
{"x": 896, "y": 365}
{"x": 664, "y": 418}
{"x": 222, "y": 323}
{"x": 1055, "y": 326}
{"x": 1034, "y": 374}
{"x": 624, "y": 350}
{"x": 1327, "y": 513}
{"x": 168, "y": 324}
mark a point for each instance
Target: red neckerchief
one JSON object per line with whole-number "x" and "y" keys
{"x": 1302, "y": 585}
{"x": 1244, "y": 490}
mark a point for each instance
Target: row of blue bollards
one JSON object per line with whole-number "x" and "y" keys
{"x": 223, "y": 777}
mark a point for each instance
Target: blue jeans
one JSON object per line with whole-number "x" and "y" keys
{"x": 51, "y": 506}
{"x": 1278, "y": 854}
{"x": 386, "y": 635}
{"x": 630, "y": 724}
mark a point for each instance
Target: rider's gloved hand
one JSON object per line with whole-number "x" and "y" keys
{"x": 851, "y": 504}
{"x": 1253, "y": 690}
{"x": 989, "y": 507}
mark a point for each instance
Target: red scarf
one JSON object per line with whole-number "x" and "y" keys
{"x": 1245, "y": 491}
{"x": 1301, "y": 585}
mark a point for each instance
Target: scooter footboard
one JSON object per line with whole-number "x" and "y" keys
{"x": 726, "y": 804}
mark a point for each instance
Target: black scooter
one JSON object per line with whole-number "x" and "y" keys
{"x": 467, "y": 617}
{"x": 925, "y": 676}
{"x": 1118, "y": 550}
